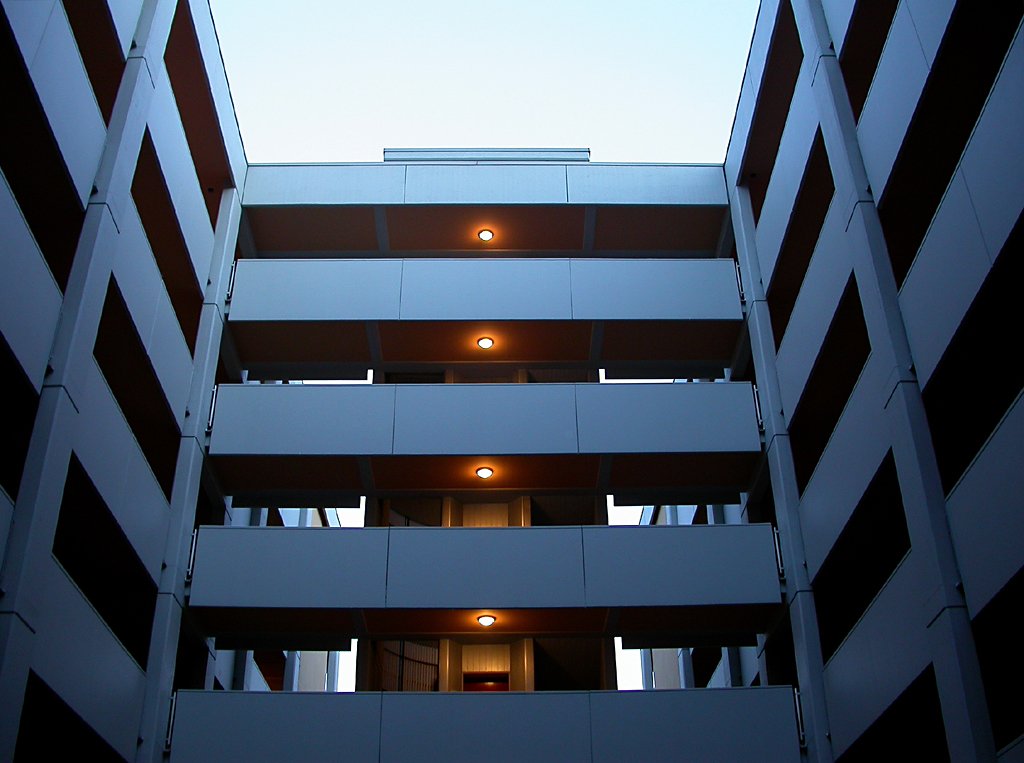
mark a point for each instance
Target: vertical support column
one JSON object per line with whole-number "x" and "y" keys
{"x": 685, "y": 659}
{"x": 34, "y": 519}
{"x": 521, "y": 674}
{"x": 799, "y": 596}
{"x": 647, "y": 668}
{"x": 187, "y": 481}
{"x": 292, "y": 667}
{"x": 961, "y": 693}
{"x": 449, "y": 665}
{"x": 333, "y": 669}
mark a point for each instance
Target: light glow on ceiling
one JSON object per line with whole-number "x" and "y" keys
{"x": 486, "y": 234}
{"x": 485, "y": 343}
{"x": 487, "y": 620}
{"x": 485, "y": 472}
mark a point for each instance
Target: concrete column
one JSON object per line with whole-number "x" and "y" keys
{"x": 449, "y": 665}
{"x": 333, "y": 660}
{"x": 685, "y": 660}
{"x": 800, "y": 600}
{"x": 292, "y": 668}
{"x": 521, "y": 673}
{"x": 647, "y": 668}
{"x": 957, "y": 672}
{"x": 35, "y": 514}
{"x": 187, "y": 484}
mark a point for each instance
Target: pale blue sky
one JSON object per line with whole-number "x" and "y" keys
{"x": 329, "y": 80}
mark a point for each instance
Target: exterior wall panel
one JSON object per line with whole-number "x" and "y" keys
{"x": 991, "y": 169}
{"x": 500, "y": 289}
{"x": 712, "y": 565}
{"x": 180, "y": 175}
{"x": 486, "y": 419}
{"x": 456, "y": 290}
{"x": 317, "y": 290}
{"x": 986, "y": 516}
{"x": 482, "y": 184}
{"x": 654, "y": 290}
{"x": 67, "y": 98}
{"x": 788, "y": 172}
{"x": 899, "y": 80}
{"x": 501, "y": 568}
{"x": 472, "y": 419}
{"x": 736, "y": 724}
{"x": 505, "y": 568}
{"x": 884, "y": 652}
{"x": 73, "y": 642}
{"x": 645, "y": 184}
{"x": 28, "y": 292}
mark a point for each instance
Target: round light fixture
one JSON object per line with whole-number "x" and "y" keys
{"x": 484, "y": 472}
{"x": 487, "y": 620}
{"x": 485, "y": 234}
{"x": 485, "y": 343}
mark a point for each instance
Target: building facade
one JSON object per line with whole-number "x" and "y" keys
{"x": 832, "y": 553}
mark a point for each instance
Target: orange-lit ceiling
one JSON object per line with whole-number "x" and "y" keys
{"x": 400, "y": 229}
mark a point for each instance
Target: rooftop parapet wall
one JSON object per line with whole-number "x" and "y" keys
{"x": 518, "y": 182}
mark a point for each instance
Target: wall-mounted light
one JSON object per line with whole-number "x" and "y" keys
{"x": 485, "y": 234}
{"x": 485, "y": 472}
{"x": 485, "y": 343}
{"x": 487, "y": 620}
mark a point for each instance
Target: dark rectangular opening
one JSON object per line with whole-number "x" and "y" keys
{"x": 760, "y": 505}
{"x": 911, "y": 728}
{"x": 125, "y": 365}
{"x": 191, "y": 658}
{"x": 863, "y": 558}
{"x": 780, "y": 655}
{"x": 100, "y": 48}
{"x": 781, "y": 70}
{"x": 862, "y": 48}
{"x": 568, "y": 664}
{"x": 209, "y": 510}
{"x": 812, "y": 203}
{"x": 407, "y": 512}
{"x": 156, "y": 210}
{"x": 963, "y": 401}
{"x": 51, "y": 730}
{"x": 274, "y": 518}
{"x": 192, "y": 94}
{"x": 414, "y": 377}
{"x": 997, "y": 640}
{"x": 33, "y": 166}
{"x": 965, "y": 68}
{"x": 21, "y": 401}
{"x": 93, "y": 549}
{"x": 567, "y": 510}
{"x": 271, "y": 663}
{"x": 832, "y": 379}
{"x": 705, "y": 660}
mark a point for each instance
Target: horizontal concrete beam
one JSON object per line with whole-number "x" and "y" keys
{"x": 482, "y": 290}
{"x": 306, "y": 443}
{"x": 314, "y": 318}
{"x": 679, "y": 585}
{"x": 544, "y": 182}
{"x": 752, "y": 724}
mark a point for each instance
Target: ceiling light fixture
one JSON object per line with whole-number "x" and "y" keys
{"x": 487, "y": 620}
{"x": 484, "y": 472}
{"x": 485, "y": 234}
{"x": 485, "y": 343}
